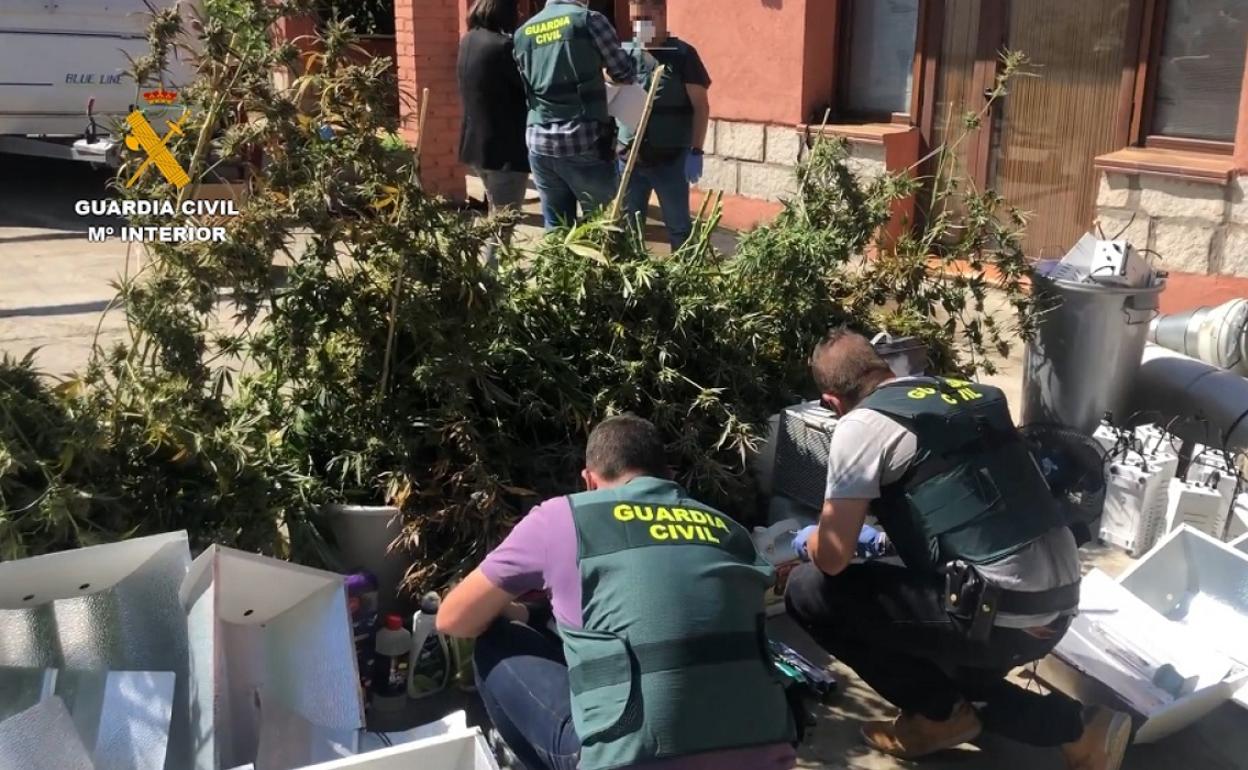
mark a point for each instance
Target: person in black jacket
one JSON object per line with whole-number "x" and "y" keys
{"x": 491, "y": 139}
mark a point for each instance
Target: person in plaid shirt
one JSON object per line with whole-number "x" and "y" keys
{"x": 562, "y": 53}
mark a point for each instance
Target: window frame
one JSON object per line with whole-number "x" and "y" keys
{"x": 929, "y": 11}
{"x": 1149, "y": 38}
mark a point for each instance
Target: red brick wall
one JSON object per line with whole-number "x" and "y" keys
{"x": 296, "y": 27}
{"x": 754, "y": 51}
{"x": 426, "y": 45}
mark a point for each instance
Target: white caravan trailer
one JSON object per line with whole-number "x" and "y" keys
{"x": 63, "y": 59}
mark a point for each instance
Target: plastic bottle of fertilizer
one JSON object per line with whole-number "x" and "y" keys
{"x": 394, "y": 649}
{"x": 431, "y": 669}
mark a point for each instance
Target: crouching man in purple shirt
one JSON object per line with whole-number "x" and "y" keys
{"x": 660, "y": 661}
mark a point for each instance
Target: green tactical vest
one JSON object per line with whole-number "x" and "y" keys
{"x": 672, "y": 659}
{"x": 974, "y": 492}
{"x": 561, "y": 66}
{"x": 671, "y": 119}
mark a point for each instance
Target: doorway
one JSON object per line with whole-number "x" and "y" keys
{"x": 1037, "y": 145}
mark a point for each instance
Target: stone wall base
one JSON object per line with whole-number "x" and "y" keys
{"x": 753, "y": 160}
{"x": 1193, "y": 226}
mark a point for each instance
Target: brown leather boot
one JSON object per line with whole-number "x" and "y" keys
{"x": 1106, "y": 735}
{"x": 911, "y": 736}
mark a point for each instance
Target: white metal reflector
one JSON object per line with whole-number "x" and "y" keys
{"x": 42, "y": 737}
{"x": 1200, "y": 583}
{"x": 1169, "y": 639}
{"x": 134, "y": 720}
{"x": 268, "y": 639}
{"x": 1165, "y": 674}
{"x": 69, "y": 619}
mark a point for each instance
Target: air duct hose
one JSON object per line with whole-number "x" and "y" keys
{"x": 1214, "y": 400}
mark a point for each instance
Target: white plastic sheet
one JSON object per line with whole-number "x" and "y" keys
{"x": 626, "y": 103}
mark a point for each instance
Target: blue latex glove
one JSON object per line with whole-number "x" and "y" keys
{"x": 693, "y": 166}
{"x": 872, "y": 543}
{"x": 800, "y": 541}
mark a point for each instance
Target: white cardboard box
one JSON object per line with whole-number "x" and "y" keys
{"x": 466, "y": 750}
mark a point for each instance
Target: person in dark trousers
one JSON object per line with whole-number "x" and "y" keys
{"x": 491, "y": 139}
{"x": 989, "y": 573}
{"x": 562, "y": 53}
{"x": 670, "y": 157}
{"x": 661, "y": 657}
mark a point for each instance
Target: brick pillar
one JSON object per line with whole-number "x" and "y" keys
{"x": 296, "y": 27}
{"x": 426, "y": 47}
{"x": 301, "y": 30}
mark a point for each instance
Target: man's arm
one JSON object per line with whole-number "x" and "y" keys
{"x": 473, "y": 605}
{"x": 859, "y": 458}
{"x": 618, "y": 64}
{"x": 834, "y": 543}
{"x": 698, "y": 95}
{"x": 697, "y": 84}
{"x": 515, "y": 567}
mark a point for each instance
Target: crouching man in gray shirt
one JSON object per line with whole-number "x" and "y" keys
{"x": 988, "y": 578}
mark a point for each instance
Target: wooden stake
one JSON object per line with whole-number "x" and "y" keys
{"x": 655, "y": 81}
{"x": 420, "y": 125}
{"x": 394, "y": 317}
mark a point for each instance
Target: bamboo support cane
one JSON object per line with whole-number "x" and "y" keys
{"x": 655, "y": 81}
{"x": 420, "y": 131}
{"x": 394, "y": 313}
{"x": 398, "y": 282}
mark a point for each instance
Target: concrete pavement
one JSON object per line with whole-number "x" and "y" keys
{"x": 54, "y": 283}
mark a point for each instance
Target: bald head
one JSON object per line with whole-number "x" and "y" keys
{"x": 846, "y": 368}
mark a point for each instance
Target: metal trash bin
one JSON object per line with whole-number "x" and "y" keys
{"x": 1086, "y": 351}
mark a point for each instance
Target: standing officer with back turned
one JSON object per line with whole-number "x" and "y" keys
{"x": 562, "y": 53}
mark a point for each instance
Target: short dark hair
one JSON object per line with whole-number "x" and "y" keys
{"x": 846, "y": 364}
{"x": 494, "y": 15}
{"x": 625, "y": 444}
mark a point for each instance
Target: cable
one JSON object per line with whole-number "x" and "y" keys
{"x": 1166, "y": 432}
{"x": 1226, "y": 437}
{"x": 1130, "y": 222}
{"x": 1140, "y": 412}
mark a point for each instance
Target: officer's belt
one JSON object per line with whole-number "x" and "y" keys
{"x": 566, "y": 89}
{"x": 708, "y": 650}
{"x": 1054, "y": 600}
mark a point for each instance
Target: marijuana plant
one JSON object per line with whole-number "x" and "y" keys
{"x": 346, "y": 343}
